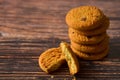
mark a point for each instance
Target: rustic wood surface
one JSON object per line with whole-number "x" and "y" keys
{"x": 29, "y": 27}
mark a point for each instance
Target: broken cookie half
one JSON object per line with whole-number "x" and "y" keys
{"x": 51, "y": 59}
{"x": 70, "y": 57}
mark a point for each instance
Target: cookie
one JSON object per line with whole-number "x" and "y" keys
{"x": 84, "y": 18}
{"x": 87, "y": 56}
{"x": 78, "y": 38}
{"x": 51, "y": 59}
{"x": 70, "y": 58}
{"x": 92, "y": 49}
{"x": 101, "y": 29}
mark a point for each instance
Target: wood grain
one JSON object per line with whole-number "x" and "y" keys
{"x": 29, "y": 27}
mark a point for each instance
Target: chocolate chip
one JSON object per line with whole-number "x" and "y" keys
{"x": 97, "y": 16}
{"x": 83, "y": 19}
{"x": 89, "y": 36}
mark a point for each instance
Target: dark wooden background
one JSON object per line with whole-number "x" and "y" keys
{"x": 29, "y": 27}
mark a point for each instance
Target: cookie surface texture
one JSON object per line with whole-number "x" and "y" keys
{"x": 84, "y": 18}
{"x": 51, "y": 59}
{"x": 91, "y": 49}
{"x": 78, "y": 38}
{"x": 87, "y": 56}
{"x": 101, "y": 29}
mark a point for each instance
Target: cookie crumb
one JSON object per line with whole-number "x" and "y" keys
{"x": 52, "y": 76}
{"x": 65, "y": 79}
{"x": 74, "y": 78}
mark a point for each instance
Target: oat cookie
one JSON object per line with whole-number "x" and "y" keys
{"x": 84, "y": 18}
{"x": 87, "y": 56}
{"x": 101, "y": 29}
{"x": 70, "y": 58}
{"x": 78, "y": 38}
{"x": 91, "y": 49}
{"x": 51, "y": 59}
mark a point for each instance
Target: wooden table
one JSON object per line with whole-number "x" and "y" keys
{"x": 29, "y": 27}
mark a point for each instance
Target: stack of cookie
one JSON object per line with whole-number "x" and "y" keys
{"x": 87, "y": 32}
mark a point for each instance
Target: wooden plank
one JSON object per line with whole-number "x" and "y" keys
{"x": 31, "y": 23}
{"x": 16, "y": 65}
{"x": 29, "y": 47}
{"x": 15, "y": 68}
